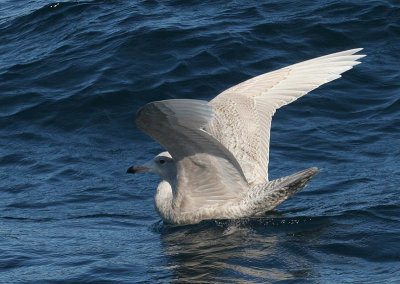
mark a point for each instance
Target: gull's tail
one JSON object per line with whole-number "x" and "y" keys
{"x": 277, "y": 191}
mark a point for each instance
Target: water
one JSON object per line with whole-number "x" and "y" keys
{"x": 72, "y": 76}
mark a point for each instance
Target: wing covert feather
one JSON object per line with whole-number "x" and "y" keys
{"x": 243, "y": 113}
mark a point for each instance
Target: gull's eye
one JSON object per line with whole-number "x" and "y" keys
{"x": 162, "y": 161}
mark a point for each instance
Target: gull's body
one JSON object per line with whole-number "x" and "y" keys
{"x": 216, "y": 166}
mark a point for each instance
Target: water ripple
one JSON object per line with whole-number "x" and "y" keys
{"x": 74, "y": 73}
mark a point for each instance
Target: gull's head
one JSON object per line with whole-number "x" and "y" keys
{"x": 162, "y": 165}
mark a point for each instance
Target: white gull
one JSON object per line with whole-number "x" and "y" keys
{"x": 216, "y": 166}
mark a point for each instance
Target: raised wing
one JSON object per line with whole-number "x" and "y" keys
{"x": 243, "y": 113}
{"x": 207, "y": 173}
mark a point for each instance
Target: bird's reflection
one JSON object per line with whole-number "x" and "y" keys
{"x": 244, "y": 251}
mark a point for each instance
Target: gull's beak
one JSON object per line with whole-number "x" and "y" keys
{"x": 137, "y": 169}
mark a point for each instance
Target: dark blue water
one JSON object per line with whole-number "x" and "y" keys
{"x": 72, "y": 76}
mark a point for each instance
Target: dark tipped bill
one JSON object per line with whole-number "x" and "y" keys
{"x": 137, "y": 169}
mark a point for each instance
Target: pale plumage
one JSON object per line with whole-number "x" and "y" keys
{"x": 176, "y": 125}
{"x": 249, "y": 106}
{"x": 217, "y": 165}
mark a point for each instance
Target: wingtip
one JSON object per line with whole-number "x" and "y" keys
{"x": 317, "y": 170}
{"x": 356, "y": 50}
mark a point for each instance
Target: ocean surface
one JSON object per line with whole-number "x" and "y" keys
{"x": 72, "y": 76}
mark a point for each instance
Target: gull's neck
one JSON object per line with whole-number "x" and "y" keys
{"x": 163, "y": 200}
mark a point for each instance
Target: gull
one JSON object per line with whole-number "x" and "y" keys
{"x": 216, "y": 166}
